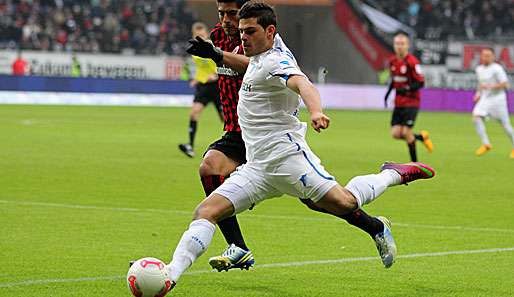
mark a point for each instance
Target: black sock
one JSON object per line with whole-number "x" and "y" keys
{"x": 358, "y": 218}
{"x": 229, "y": 226}
{"x": 365, "y": 222}
{"x": 412, "y": 151}
{"x": 192, "y": 131}
{"x": 418, "y": 137}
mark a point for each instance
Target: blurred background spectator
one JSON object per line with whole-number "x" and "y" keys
{"x": 460, "y": 19}
{"x": 133, "y": 26}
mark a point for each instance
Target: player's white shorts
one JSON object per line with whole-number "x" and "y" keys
{"x": 494, "y": 109}
{"x": 299, "y": 175}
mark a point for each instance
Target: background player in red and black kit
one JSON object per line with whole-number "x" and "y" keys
{"x": 406, "y": 79}
{"x": 224, "y": 155}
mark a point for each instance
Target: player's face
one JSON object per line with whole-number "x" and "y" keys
{"x": 401, "y": 45}
{"x": 486, "y": 56}
{"x": 254, "y": 37}
{"x": 227, "y": 13}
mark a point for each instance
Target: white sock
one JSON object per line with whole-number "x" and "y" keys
{"x": 480, "y": 127}
{"x": 192, "y": 244}
{"x": 508, "y": 129}
{"x": 367, "y": 188}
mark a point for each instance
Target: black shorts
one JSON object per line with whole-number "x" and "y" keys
{"x": 206, "y": 93}
{"x": 232, "y": 145}
{"x": 404, "y": 116}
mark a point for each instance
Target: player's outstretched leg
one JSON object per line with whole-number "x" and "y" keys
{"x": 358, "y": 218}
{"x": 362, "y": 190}
{"x": 198, "y": 236}
{"x": 237, "y": 254}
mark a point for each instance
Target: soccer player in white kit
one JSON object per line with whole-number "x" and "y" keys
{"x": 279, "y": 159}
{"x": 491, "y": 99}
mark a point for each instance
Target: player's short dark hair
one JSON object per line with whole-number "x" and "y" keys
{"x": 264, "y": 13}
{"x": 401, "y": 33}
{"x": 239, "y": 3}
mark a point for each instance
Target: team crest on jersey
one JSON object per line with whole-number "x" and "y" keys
{"x": 246, "y": 87}
{"x": 403, "y": 69}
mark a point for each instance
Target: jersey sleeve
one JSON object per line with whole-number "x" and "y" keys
{"x": 501, "y": 75}
{"x": 416, "y": 71}
{"x": 281, "y": 68}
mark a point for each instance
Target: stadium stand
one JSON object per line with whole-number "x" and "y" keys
{"x": 435, "y": 19}
{"x": 137, "y": 26}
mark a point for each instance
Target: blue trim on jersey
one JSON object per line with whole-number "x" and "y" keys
{"x": 283, "y": 76}
{"x": 307, "y": 158}
{"x": 284, "y": 62}
{"x": 289, "y": 136}
{"x": 315, "y": 169}
{"x": 291, "y": 139}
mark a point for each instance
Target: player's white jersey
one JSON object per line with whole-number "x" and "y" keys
{"x": 267, "y": 108}
{"x": 492, "y": 74}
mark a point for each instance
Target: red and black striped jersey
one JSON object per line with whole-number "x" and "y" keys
{"x": 403, "y": 73}
{"x": 229, "y": 81}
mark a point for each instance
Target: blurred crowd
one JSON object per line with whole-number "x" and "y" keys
{"x": 434, "y": 19}
{"x": 136, "y": 26}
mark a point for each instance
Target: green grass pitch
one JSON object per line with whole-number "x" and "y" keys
{"x": 85, "y": 189}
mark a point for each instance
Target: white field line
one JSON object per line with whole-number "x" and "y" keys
{"x": 261, "y": 266}
{"x": 248, "y": 215}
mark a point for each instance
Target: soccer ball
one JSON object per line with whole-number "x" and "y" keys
{"x": 148, "y": 277}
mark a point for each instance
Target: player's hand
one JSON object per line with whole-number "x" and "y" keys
{"x": 193, "y": 83}
{"x": 476, "y": 97}
{"x": 205, "y": 49}
{"x": 402, "y": 91}
{"x": 319, "y": 121}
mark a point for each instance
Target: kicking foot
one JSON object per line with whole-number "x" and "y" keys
{"x": 427, "y": 141}
{"x": 187, "y": 149}
{"x": 483, "y": 149}
{"x": 385, "y": 244}
{"x": 233, "y": 257}
{"x": 410, "y": 171}
{"x": 512, "y": 154}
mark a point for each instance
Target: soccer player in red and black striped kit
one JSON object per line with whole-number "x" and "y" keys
{"x": 226, "y": 154}
{"x": 406, "y": 79}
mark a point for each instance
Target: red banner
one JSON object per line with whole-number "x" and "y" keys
{"x": 368, "y": 45}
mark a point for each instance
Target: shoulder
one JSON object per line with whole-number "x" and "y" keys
{"x": 276, "y": 59}
{"x": 217, "y": 32}
{"x": 392, "y": 59}
{"x": 497, "y": 67}
{"x": 412, "y": 60}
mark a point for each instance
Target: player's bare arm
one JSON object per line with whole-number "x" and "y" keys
{"x": 311, "y": 98}
{"x": 499, "y": 86}
{"x": 237, "y": 62}
{"x": 205, "y": 49}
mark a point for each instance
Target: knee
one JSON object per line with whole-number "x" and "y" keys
{"x": 397, "y": 134}
{"x": 194, "y": 115}
{"x": 208, "y": 167}
{"x": 206, "y": 212}
{"x": 348, "y": 201}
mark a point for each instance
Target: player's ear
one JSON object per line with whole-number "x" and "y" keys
{"x": 271, "y": 30}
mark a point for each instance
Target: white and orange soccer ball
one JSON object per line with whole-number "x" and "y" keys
{"x": 148, "y": 277}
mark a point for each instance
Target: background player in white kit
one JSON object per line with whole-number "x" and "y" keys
{"x": 491, "y": 99}
{"x": 279, "y": 159}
